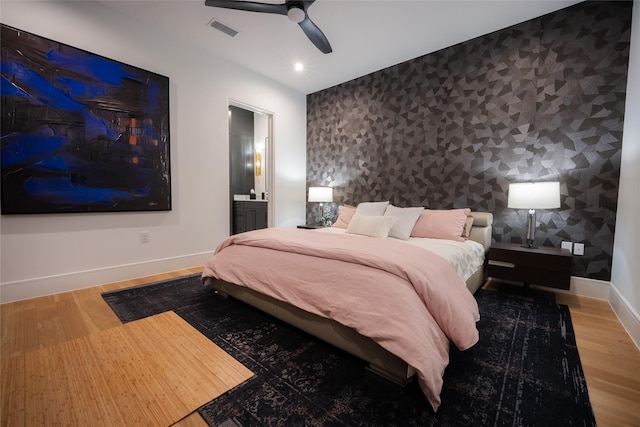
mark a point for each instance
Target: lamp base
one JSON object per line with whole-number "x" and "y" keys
{"x": 531, "y": 228}
{"x": 326, "y": 216}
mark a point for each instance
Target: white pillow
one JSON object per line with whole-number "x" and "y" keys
{"x": 372, "y": 208}
{"x": 369, "y": 225}
{"x": 405, "y": 220}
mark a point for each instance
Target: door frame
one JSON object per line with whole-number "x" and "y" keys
{"x": 269, "y": 170}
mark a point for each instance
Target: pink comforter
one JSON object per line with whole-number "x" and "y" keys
{"x": 407, "y": 299}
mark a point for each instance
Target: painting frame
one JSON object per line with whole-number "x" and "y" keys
{"x": 80, "y": 132}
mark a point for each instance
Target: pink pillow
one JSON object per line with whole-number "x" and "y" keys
{"x": 441, "y": 224}
{"x": 345, "y": 213}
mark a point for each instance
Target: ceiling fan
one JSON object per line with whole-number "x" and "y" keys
{"x": 296, "y": 11}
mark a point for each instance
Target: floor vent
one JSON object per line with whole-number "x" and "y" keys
{"x": 214, "y": 23}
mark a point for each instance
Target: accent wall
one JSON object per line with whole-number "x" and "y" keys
{"x": 542, "y": 100}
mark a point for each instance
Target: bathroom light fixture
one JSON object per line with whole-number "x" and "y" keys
{"x": 532, "y": 196}
{"x": 258, "y": 164}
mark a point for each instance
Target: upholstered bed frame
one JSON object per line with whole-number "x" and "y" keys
{"x": 380, "y": 360}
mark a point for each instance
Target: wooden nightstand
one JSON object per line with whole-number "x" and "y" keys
{"x": 545, "y": 266}
{"x": 311, "y": 226}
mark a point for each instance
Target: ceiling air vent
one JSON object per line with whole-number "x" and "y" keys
{"x": 214, "y": 23}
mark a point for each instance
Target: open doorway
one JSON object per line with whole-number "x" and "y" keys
{"x": 250, "y": 167}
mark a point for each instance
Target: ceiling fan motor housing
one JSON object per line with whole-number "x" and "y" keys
{"x": 296, "y": 14}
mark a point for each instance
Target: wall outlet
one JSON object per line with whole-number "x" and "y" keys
{"x": 578, "y": 248}
{"x": 567, "y": 245}
{"x": 144, "y": 237}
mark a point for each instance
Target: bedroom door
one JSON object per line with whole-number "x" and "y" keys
{"x": 250, "y": 162}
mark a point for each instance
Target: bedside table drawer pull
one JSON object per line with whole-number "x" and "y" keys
{"x": 502, "y": 264}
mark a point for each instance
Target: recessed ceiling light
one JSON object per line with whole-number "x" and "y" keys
{"x": 298, "y": 66}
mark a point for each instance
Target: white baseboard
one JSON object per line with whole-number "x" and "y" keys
{"x": 626, "y": 314}
{"x": 584, "y": 287}
{"x": 591, "y": 288}
{"x": 49, "y": 285}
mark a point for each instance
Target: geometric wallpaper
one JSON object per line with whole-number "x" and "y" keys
{"x": 539, "y": 101}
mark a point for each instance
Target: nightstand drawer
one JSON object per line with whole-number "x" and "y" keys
{"x": 534, "y": 276}
{"x": 540, "y": 266}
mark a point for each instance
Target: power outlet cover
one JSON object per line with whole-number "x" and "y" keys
{"x": 568, "y": 245}
{"x": 578, "y": 248}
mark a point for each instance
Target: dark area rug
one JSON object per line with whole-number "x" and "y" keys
{"x": 525, "y": 371}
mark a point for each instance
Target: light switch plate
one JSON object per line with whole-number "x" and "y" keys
{"x": 568, "y": 245}
{"x": 578, "y": 248}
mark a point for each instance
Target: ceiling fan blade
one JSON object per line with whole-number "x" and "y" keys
{"x": 312, "y": 31}
{"x": 251, "y": 6}
{"x": 316, "y": 36}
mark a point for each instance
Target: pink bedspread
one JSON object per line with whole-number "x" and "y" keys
{"x": 407, "y": 299}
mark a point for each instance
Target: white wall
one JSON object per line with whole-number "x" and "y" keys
{"x": 44, "y": 254}
{"x": 625, "y": 274}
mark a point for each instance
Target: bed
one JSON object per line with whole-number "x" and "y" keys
{"x": 333, "y": 284}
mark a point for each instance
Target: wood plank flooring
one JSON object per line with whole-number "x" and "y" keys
{"x": 610, "y": 359}
{"x": 38, "y": 323}
{"x": 154, "y": 371}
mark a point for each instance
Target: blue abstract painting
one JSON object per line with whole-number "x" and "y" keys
{"x": 80, "y": 132}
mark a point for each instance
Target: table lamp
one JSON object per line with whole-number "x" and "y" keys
{"x": 322, "y": 195}
{"x": 532, "y": 196}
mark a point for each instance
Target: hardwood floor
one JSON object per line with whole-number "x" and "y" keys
{"x": 41, "y": 322}
{"x": 155, "y": 371}
{"x": 610, "y": 360}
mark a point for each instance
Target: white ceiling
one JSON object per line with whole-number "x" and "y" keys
{"x": 366, "y": 35}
